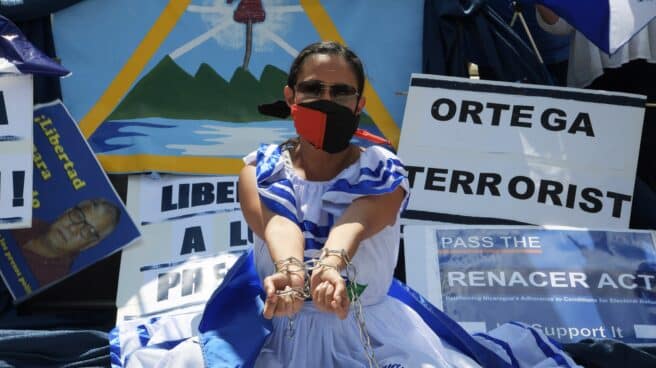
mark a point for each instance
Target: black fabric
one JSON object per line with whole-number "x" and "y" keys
{"x": 609, "y": 354}
{"x": 69, "y": 349}
{"x": 637, "y": 77}
{"x": 457, "y": 32}
{"x": 86, "y": 300}
{"x": 633, "y": 77}
{"x": 278, "y": 109}
{"x": 554, "y": 48}
{"x": 340, "y": 124}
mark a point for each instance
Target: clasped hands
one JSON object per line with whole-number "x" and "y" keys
{"x": 326, "y": 286}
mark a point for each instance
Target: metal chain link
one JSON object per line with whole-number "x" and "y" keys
{"x": 295, "y": 265}
{"x": 359, "y": 316}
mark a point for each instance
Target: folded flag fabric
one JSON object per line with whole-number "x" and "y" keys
{"x": 232, "y": 330}
{"x": 19, "y": 56}
{"x": 609, "y": 24}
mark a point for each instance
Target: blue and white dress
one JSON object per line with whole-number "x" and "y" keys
{"x": 405, "y": 330}
{"x": 398, "y": 335}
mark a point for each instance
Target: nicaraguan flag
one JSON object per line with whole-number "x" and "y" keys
{"x": 609, "y": 24}
{"x": 232, "y": 329}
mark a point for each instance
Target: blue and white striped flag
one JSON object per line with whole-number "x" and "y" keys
{"x": 609, "y": 24}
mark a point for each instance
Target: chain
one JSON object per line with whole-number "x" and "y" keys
{"x": 295, "y": 265}
{"x": 351, "y": 275}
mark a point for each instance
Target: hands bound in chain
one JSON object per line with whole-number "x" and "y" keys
{"x": 289, "y": 286}
{"x": 285, "y": 289}
{"x": 328, "y": 288}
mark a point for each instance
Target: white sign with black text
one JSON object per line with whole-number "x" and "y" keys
{"x": 16, "y": 145}
{"x": 177, "y": 196}
{"x": 490, "y": 152}
{"x": 179, "y": 262}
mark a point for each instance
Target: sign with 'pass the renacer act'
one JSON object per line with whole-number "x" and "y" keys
{"x": 485, "y": 152}
{"x": 570, "y": 284}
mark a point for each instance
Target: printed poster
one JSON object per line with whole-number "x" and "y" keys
{"x": 570, "y": 284}
{"x": 482, "y": 152}
{"x": 78, "y": 218}
{"x": 175, "y": 87}
{"x": 182, "y": 259}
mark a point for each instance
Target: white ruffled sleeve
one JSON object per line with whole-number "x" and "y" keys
{"x": 379, "y": 172}
{"x": 273, "y": 185}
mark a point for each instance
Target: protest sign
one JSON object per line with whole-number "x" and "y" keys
{"x": 169, "y": 197}
{"x": 492, "y": 152}
{"x": 78, "y": 218}
{"x": 15, "y": 151}
{"x": 571, "y": 284}
{"x": 179, "y": 261}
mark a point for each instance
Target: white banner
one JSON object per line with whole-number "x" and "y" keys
{"x": 481, "y": 151}
{"x": 178, "y": 263}
{"x": 16, "y": 113}
{"x": 177, "y": 285}
{"x": 176, "y": 196}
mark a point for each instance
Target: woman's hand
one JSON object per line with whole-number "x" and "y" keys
{"x": 287, "y": 304}
{"x": 328, "y": 290}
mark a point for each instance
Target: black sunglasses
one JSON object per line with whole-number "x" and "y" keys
{"x": 339, "y": 92}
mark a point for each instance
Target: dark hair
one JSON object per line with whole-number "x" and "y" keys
{"x": 327, "y": 48}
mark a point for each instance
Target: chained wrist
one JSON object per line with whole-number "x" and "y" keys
{"x": 290, "y": 266}
{"x": 336, "y": 259}
{"x": 296, "y": 271}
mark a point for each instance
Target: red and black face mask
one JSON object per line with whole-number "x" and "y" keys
{"x": 327, "y": 125}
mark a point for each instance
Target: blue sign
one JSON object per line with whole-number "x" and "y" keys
{"x": 571, "y": 284}
{"x": 77, "y": 216}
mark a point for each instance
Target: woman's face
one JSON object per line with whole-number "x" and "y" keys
{"x": 326, "y": 77}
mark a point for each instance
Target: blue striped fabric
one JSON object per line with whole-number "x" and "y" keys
{"x": 276, "y": 190}
{"x": 266, "y": 167}
{"x": 608, "y": 24}
{"x": 380, "y": 173}
{"x": 232, "y": 329}
{"x": 526, "y": 345}
{"x": 506, "y": 348}
{"x": 379, "y": 184}
{"x": 448, "y": 330}
{"x": 150, "y": 337}
{"x": 115, "y": 348}
{"x": 546, "y": 345}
